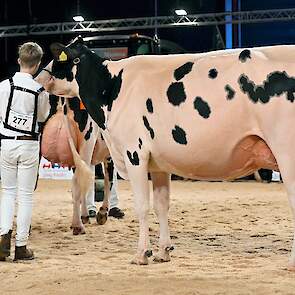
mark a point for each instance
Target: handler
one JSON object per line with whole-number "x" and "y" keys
{"x": 23, "y": 103}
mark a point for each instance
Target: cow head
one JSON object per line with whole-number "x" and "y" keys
{"x": 76, "y": 71}
{"x": 59, "y": 76}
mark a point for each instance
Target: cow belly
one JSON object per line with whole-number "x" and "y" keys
{"x": 248, "y": 155}
{"x": 55, "y": 146}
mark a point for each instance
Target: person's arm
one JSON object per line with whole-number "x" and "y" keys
{"x": 4, "y": 94}
{"x": 43, "y": 106}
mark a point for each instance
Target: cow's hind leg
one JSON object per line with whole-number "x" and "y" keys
{"x": 287, "y": 169}
{"x": 138, "y": 176}
{"x": 290, "y": 186}
{"x": 161, "y": 188}
{"x": 77, "y": 225}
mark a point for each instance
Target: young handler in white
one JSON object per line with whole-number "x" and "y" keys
{"x": 23, "y": 103}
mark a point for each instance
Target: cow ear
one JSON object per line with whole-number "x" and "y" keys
{"x": 80, "y": 39}
{"x": 58, "y": 51}
{"x": 77, "y": 40}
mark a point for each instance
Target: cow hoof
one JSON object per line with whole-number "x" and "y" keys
{"x": 142, "y": 259}
{"x": 163, "y": 255}
{"x": 78, "y": 230}
{"x": 102, "y": 216}
{"x": 162, "y": 258}
{"x": 85, "y": 219}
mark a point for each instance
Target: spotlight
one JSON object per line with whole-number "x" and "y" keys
{"x": 180, "y": 12}
{"x": 78, "y": 18}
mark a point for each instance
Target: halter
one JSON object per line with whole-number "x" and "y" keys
{"x": 47, "y": 71}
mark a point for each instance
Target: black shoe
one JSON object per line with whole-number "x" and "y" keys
{"x": 22, "y": 253}
{"x": 116, "y": 212}
{"x": 5, "y": 245}
{"x": 92, "y": 213}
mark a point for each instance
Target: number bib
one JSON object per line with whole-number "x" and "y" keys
{"x": 20, "y": 121}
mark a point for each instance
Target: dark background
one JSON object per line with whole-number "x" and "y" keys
{"x": 197, "y": 39}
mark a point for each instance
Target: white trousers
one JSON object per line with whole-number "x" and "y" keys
{"x": 19, "y": 168}
{"x": 113, "y": 201}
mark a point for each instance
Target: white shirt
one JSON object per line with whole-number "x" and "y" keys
{"x": 22, "y": 101}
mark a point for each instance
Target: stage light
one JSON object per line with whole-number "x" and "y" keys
{"x": 180, "y": 12}
{"x": 78, "y": 18}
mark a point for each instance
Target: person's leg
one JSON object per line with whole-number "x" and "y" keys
{"x": 27, "y": 174}
{"x": 115, "y": 211}
{"x": 90, "y": 199}
{"x": 114, "y": 201}
{"x": 9, "y": 172}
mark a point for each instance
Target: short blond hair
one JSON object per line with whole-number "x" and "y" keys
{"x": 30, "y": 54}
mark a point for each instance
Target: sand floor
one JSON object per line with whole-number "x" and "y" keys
{"x": 230, "y": 238}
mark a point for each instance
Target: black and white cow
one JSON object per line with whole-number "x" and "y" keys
{"x": 86, "y": 148}
{"x": 205, "y": 116}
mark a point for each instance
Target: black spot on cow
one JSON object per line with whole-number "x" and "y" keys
{"x": 212, "y": 73}
{"x": 179, "y": 135}
{"x": 116, "y": 87}
{"x": 148, "y": 127}
{"x": 149, "y": 105}
{"x": 202, "y": 107}
{"x": 97, "y": 86}
{"x": 100, "y": 119}
{"x": 133, "y": 158}
{"x": 244, "y": 55}
{"x": 89, "y": 131}
{"x": 230, "y": 92}
{"x": 176, "y": 94}
{"x": 183, "y": 70}
{"x": 140, "y": 143}
{"x": 276, "y": 84}
{"x": 80, "y": 116}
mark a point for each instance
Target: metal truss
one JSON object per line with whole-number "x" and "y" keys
{"x": 112, "y": 25}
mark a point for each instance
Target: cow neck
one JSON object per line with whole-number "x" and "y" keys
{"x": 94, "y": 80}
{"x": 95, "y": 85}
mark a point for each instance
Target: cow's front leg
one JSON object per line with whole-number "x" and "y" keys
{"x": 161, "y": 188}
{"x": 138, "y": 176}
{"x": 85, "y": 216}
{"x": 77, "y": 225}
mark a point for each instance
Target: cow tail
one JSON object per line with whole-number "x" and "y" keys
{"x": 83, "y": 173}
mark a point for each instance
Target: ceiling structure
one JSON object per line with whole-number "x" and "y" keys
{"x": 149, "y": 23}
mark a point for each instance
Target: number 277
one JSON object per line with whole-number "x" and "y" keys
{"x": 18, "y": 121}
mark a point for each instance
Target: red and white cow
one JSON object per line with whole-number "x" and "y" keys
{"x": 71, "y": 138}
{"x": 205, "y": 116}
